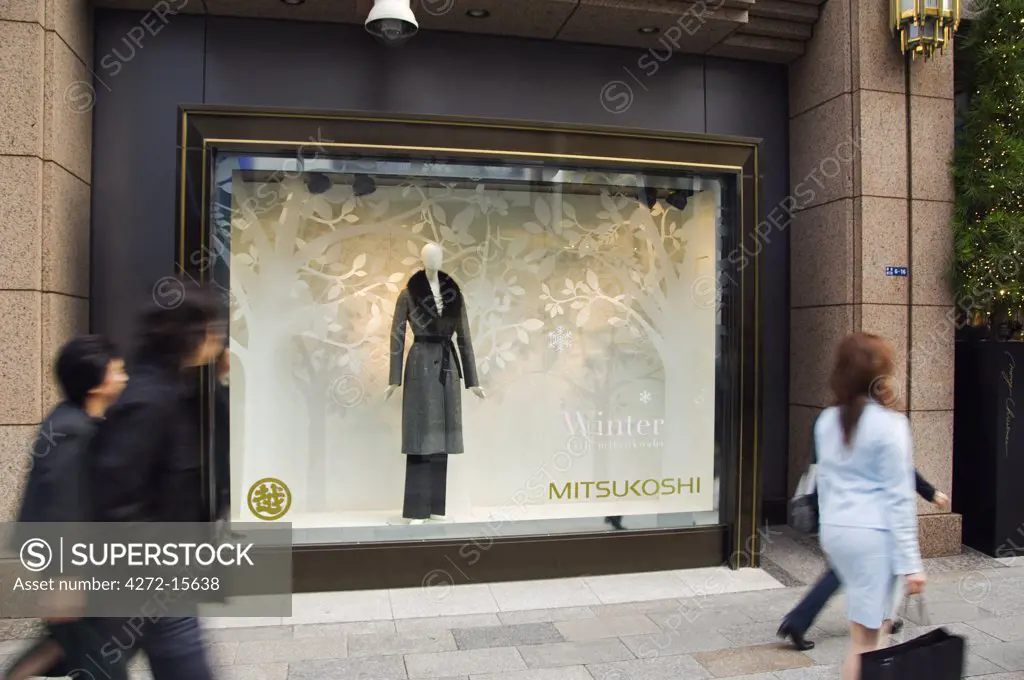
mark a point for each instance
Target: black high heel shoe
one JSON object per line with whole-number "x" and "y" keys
{"x": 795, "y": 636}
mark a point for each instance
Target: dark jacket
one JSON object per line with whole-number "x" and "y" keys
{"x": 431, "y": 386}
{"x": 220, "y": 455}
{"x": 56, "y": 487}
{"x": 222, "y": 449}
{"x": 145, "y": 464}
{"x": 924, "y": 489}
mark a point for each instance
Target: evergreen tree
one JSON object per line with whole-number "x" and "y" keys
{"x": 988, "y": 169}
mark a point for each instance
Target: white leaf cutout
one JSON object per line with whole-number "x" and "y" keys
{"x": 463, "y": 219}
{"x": 583, "y": 317}
{"x": 542, "y": 210}
{"x": 518, "y": 246}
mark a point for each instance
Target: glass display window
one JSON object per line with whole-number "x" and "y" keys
{"x": 426, "y": 349}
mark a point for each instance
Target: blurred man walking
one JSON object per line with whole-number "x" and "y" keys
{"x": 148, "y": 467}
{"x": 91, "y": 375}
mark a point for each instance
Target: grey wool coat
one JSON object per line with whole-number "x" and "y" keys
{"x": 431, "y": 396}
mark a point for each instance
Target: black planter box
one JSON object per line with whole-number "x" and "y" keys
{"x": 988, "y": 446}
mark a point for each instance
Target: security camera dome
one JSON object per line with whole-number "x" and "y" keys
{"x": 392, "y": 22}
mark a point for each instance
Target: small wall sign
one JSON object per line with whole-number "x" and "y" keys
{"x": 896, "y": 271}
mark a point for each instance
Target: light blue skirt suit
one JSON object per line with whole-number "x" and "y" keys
{"x": 868, "y": 508}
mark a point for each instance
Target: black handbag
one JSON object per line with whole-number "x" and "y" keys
{"x": 82, "y": 653}
{"x": 936, "y": 655}
{"x": 803, "y": 508}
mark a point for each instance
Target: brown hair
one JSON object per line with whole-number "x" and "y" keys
{"x": 863, "y": 370}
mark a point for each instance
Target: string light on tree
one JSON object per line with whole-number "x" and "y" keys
{"x": 989, "y": 166}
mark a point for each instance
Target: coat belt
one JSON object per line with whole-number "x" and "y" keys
{"x": 448, "y": 353}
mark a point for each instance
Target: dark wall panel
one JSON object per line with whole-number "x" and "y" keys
{"x": 324, "y": 66}
{"x": 751, "y": 99}
{"x": 134, "y": 162}
{"x": 341, "y": 67}
{"x": 292, "y": 65}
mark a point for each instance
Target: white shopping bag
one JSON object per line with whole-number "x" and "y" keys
{"x": 808, "y": 483}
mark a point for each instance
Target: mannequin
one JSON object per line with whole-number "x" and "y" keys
{"x": 432, "y": 304}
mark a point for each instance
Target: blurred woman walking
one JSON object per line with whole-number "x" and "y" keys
{"x": 866, "y": 493}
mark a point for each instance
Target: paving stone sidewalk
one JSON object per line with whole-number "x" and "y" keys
{"x": 681, "y": 625}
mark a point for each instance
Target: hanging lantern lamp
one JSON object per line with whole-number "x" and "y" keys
{"x": 924, "y": 26}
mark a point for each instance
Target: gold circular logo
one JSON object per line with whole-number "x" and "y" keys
{"x": 269, "y": 499}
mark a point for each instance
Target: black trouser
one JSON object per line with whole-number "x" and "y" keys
{"x": 173, "y": 646}
{"x": 82, "y": 642}
{"x": 803, "y": 615}
{"x": 426, "y": 479}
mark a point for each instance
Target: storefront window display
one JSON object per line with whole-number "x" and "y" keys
{"x": 427, "y": 349}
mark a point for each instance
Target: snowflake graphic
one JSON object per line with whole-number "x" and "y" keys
{"x": 645, "y": 397}
{"x": 560, "y": 339}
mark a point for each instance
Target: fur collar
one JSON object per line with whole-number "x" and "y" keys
{"x": 422, "y": 296}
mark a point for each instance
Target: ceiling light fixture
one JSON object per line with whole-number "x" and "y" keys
{"x": 318, "y": 183}
{"x": 293, "y": 3}
{"x": 392, "y": 22}
{"x": 678, "y": 199}
{"x": 363, "y": 185}
{"x": 647, "y": 196}
{"x": 649, "y": 30}
{"x": 478, "y": 13}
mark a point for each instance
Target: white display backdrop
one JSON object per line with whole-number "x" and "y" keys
{"x": 593, "y": 319}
